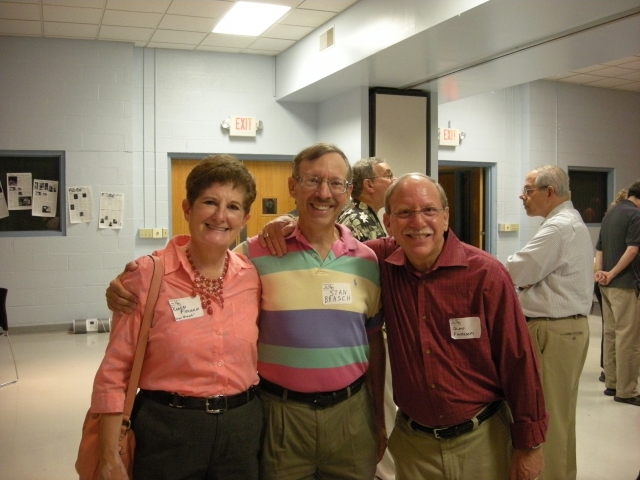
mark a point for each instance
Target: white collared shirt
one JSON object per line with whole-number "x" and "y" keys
{"x": 557, "y": 263}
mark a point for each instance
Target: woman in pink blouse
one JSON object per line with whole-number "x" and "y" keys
{"x": 196, "y": 415}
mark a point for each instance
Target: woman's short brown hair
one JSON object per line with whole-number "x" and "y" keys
{"x": 222, "y": 169}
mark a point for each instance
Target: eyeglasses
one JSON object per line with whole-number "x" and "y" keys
{"x": 313, "y": 182}
{"x": 388, "y": 176}
{"x": 427, "y": 212}
{"x": 527, "y": 191}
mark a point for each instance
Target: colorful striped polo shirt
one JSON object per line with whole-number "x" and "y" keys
{"x": 315, "y": 314}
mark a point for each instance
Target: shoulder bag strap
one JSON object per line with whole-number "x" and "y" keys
{"x": 149, "y": 309}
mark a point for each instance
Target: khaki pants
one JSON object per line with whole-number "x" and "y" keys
{"x": 562, "y": 346}
{"x": 621, "y": 313}
{"x": 483, "y": 454}
{"x": 305, "y": 442}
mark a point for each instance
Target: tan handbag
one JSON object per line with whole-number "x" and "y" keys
{"x": 89, "y": 450}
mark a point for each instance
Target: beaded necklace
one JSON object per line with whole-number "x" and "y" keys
{"x": 207, "y": 288}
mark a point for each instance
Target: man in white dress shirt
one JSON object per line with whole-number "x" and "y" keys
{"x": 554, "y": 276}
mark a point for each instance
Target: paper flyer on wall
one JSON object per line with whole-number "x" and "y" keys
{"x": 111, "y": 210}
{"x": 19, "y": 191}
{"x": 45, "y": 198}
{"x": 80, "y": 205}
{"x": 4, "y": 211}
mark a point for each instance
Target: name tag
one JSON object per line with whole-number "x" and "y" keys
{"x": 467, "y": 327}
{"x": 186, "y": 308}
{"x": 336, "y": 294}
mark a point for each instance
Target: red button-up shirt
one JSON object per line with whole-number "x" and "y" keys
{"x": 438, "y": 380}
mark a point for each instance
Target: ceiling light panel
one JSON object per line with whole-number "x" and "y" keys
{"x": 247, "y": 18}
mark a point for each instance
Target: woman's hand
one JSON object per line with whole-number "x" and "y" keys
{"x": 111, "y": 466}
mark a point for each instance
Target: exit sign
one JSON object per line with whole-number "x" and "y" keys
{"x": 243, "y": 126}
{"x": 449, "y": 137}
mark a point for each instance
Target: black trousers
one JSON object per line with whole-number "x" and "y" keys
{"x": 180, "y": 444}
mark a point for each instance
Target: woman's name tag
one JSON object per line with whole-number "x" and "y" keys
{"x": 186, "y": 308}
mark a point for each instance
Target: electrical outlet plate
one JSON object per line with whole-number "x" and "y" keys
{"x": 157, "y": 233}
{"x": 146, "y": 233}
{"x": 165, "y": 232}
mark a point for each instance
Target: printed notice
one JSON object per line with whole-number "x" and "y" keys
{"x": 45, "y": 198}
{"x": 80, "y": 205}
{"x": 111, "y": 210}
{"x": 186, "y": 308}
{"x": 4, "y": 211}
{"x": 463, "y": 328}
{"x": 336, "y": 294}
{"x": 19, "y": 191}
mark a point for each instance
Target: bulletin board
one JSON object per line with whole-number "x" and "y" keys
{"x": 44, "y": 166}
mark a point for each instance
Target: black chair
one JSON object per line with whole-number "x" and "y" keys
{"x": 4, "y": 331}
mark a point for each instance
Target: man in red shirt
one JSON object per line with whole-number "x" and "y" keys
{"x": 459, "y": 347}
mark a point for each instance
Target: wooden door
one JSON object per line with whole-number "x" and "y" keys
{"x": 273, "y": 197}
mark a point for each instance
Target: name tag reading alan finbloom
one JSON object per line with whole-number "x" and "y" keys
{"x": 463, "y": 328}
{"x": 186, "y": 308}
{"x": 336, "y": 294}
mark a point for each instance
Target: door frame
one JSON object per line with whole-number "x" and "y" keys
{"x": 490, "y": 199}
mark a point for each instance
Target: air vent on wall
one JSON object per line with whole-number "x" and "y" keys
{"x": 327, "y": 39}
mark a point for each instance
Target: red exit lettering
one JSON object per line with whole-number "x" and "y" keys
{"x": 243, "y": 123}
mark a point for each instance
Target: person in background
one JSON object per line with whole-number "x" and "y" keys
{"x": 197, "y": 415}
{"x": 458, "y": 346}
{"x": 618, "y": 274}
{"x": 621, "y": 195}
{"x": 553, "y": 274}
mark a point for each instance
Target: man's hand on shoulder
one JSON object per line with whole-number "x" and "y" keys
{"x": 273, "y": 234}
{"x": 119, "y": 299}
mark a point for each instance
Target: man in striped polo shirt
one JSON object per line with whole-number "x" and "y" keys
{"x": 320, "y": 331}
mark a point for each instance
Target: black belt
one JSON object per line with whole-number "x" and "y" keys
{"x": 213, "y": 404}
{"x": 577, "y": 316}
{"x": 319, "y": 399}
{"x": 455, "y": 430}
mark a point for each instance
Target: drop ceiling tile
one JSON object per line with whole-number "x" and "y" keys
{"x": 631, "y": 87}
{"x": 200, "y": 8}
{"x": 20, "y": 1}
{"x": 149, "y": 6}
{"x": 19, "y": 27}
{"x": 307, "y": 18}
{"x": 76, "y": 3}
{"x": 127, "y": 34}
{"x": 53, "y": 13}
{"x": 176, "y": 36}
{"x": 19, "y": 11}
{"x": 131, "y": 19}
{"x": 187, "y": 24}
{"x": 608, "y": 82}
{"x": 70, "y": 30}
{"x": 288, "y": 32}
{"x": 634, "y": 65}
{"x": 592, "y": 68}
{"x": 612, "y": 72}
{"x": 172, "y": 46}
{"x": 231, "y": 41}
{"x": 564, "y": 75}
{"x": 633, "y": 76}
{"x": 621, "y": 61}
{"x": 210, "y": 48}
{"x": 327, "y": 5}
{"x": 271, "y": 44}
{"x": 581, "y": 78}
{"x": 271, "y": 53}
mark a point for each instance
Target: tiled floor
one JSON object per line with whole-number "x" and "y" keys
{"x": 41, "y": 415}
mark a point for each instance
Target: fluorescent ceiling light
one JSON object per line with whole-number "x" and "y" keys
{"x": 251, "y": 19}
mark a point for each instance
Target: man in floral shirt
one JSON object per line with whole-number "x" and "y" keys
{"x": 371, "y": 179}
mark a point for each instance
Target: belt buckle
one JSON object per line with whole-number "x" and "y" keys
{"x": 215, "y": 410}
{"x": 323, "y": 400}
{"x": 436, "y": 433}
